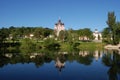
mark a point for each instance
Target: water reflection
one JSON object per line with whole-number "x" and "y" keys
{"x": 109, "y": 59}
{"x": 112, "y": 60}
{"x": 59, "y": 64}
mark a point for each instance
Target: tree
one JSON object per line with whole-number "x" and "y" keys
{"x": 38, "y": 33}
{"x": 88, "y": 33}
{"x": 112, "y": 26}
{"x": 47, "y": 32}
{"x": 3, "y": 34}
{"x": 118, "y": 31}
{"x": 106, "y": 35}
{"x": 14, "y": 33}
{"x": 112, "y": 30}
{"x": 85, "y": 33}
{"x": 50, "y": 44}
{"x": 27, "y": 46}
{"x": 70, "y": 36}
{"x": 62, "y": 35}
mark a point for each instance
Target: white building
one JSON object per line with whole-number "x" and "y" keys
{"x": 97, "y": 35}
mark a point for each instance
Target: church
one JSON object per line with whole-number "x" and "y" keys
{"x": 97, "y": 35}
{"x": 59, "y": 26}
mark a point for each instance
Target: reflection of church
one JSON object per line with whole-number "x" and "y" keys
{"x": 97, "y": 54}
{"x": 59, "y": 65}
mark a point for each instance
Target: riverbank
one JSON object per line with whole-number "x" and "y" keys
{"x": 28, "y": 46}
{"x": 91, "y": 46}
{"x": 116, "y": 47}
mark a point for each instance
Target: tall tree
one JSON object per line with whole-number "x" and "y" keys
{"x": 3, "y": 34}
{"x": 106, "y": 35}
{"x": 118, "y": 31}
{"x": 112, "y": 26}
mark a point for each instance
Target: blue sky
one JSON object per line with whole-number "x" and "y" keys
{"x": 75, "y": 14}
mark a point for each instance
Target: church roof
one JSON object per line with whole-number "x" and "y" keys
{"x": 59, "y": 22}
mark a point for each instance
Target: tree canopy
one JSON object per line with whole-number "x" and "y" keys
{"x": 111, "y": 33}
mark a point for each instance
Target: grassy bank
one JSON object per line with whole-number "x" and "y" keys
{"x": 91, "y": 46}
{"x": 28, "y": 45}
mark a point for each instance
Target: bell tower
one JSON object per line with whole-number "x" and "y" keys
{"x": 58, "y": 27}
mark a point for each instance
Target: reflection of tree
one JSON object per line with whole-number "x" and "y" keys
{"x": 3, "y": 60}
{"x": 85, "y": 57}
{"x": 20, "y": 58}
{"x": 87, "y": 60}
{"x": 112, "y": 61}
{"x": 39, "y": 60}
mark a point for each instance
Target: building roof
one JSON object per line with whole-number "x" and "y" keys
{"x": 59, "y": 22}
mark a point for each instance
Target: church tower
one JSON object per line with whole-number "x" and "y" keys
{"x": 97, "y": 35}
{"x": 58, "y": 27}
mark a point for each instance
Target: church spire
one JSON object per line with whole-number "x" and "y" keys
{"x": 59, "y": 18}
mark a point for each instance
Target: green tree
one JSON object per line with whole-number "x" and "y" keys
{"x": 62, "y": 35}
{"x": 38, "y": 33}
{"x": 86, "y": 32}
{"x": 118, "y": 31}
{"x": 111, "y": 22}
{"x": 70, "y": 36}
{"x": 50, "y": 44}
{"x": 14, "y": 33}
{"x": 106, "y": 35}
{"x": 47, "y": 32}
{"x": 3, "y": 34}
{"x": 27, "y": 46}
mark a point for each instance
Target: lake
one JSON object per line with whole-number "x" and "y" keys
{"x": 61, "y": 65}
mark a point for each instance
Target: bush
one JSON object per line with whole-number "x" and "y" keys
{"x": 27, "y": 46}
{"x": 51, "y": 44}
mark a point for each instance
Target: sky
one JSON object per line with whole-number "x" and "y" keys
{"x": 75, "y": 14}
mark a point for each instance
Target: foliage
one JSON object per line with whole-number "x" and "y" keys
{"x": 62, "y": 35}
{"x": 3, "y": 34}
{"x": 112, "y": 61}
{"x": 27, "y": 46}
{"x": 113, "y": 27}
{"x": 87, "y": 60}
{"x": 38, "y": 33}
{"x": 106, "y": 35}
{"x": 47, "y": 32}
{"x": 86, "y": 32}
{"x": 50, "y": 43}
{"x": 71, "y": 36}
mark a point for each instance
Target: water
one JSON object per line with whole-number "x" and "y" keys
{"x": 82, "y": 65}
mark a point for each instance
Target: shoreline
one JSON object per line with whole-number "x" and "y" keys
{"x": 116, "y": 47}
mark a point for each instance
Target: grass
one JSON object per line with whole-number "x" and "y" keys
{"x": 65, "y": 46}
{"x": 91, "y": 46}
